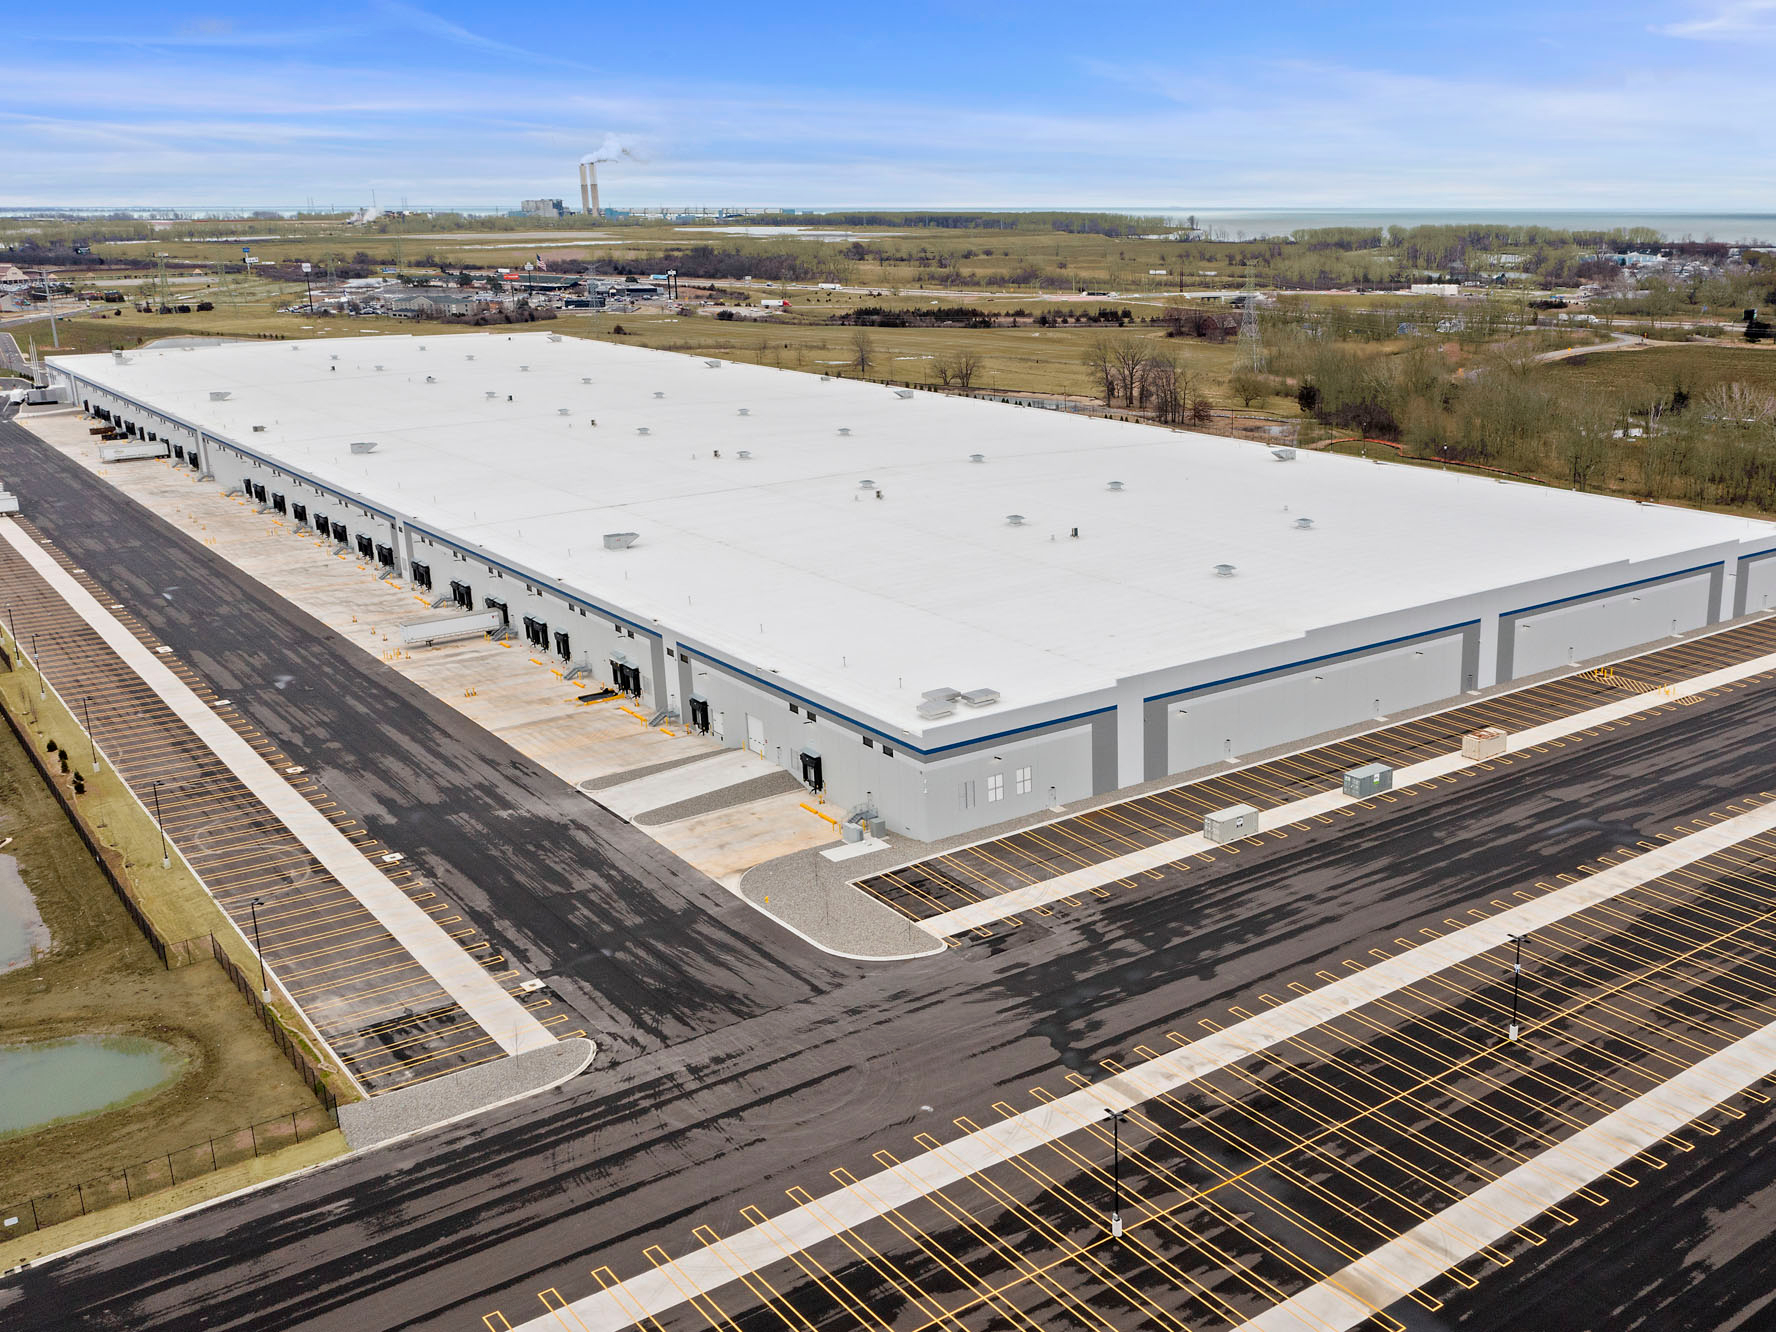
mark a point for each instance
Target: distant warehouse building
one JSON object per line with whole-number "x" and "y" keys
{"x": 951, "y": 610}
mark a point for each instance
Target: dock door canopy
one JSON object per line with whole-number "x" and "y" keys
{"x": 339, "y": 532}
{"x": 561, "y": 649}
{"x": 299, "y": 512}
{"x": 277, "y": 502}
{"x": 422, "y": 575}
{"x": 536, "y": 633}
{"x": 462, "y": 594}
{"x": 625, "y": 678}
{"x": 812, "y": 776}
{"x": 505, "y": 615}
{"x": 700, "y": 714}
{"x": 366, "y": 547}
{"x": 385, "y": 555}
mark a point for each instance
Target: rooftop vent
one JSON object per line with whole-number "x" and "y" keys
{"x": 363, "y": 446}
{"x": 524, "y": 367}
{"x": 379, "y": 367}
{"x": 553, "y": 337}
{"x": 620, "y": 540}
{"x": 932, "y": 709}
{"x": 258, "y": 430}
{"x": 1283, "y": 455}
{"x": 221, "y": 395}
{"x": 585, "y": 379}
{"x": 1303, "y": 524}
{"x": 866, "y": 484}
{"x": 1224, "y": 571}
{"x": 979, "y": 698}
{"x": 1116, "y": 485}
{"x": 563, "y": 411}
{"x": 903, "y": 393}
{"x": 469, "y": 357}
{"x": 121, "y": 359}
{"x": 713, "y": 365}
{"x": 642, "y": 430}
{"x": 824, "y": 378}
{"x": 335, "y": 357}
{"x": 746, "y": 411}
{"x": 744, "y": 455}
{"x": 659, "y": 394}
{"x": 431, "y": 379}
{"x": 844, "y": 430}
{"x": 977, "y": 457}
{"x": 1015, "y": 519}
{"x": 943, "y": 695}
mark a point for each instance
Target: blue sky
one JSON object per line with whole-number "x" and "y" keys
{"x": 922, "y": 103}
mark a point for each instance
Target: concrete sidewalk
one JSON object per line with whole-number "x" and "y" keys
{"x": 457, "y": 973}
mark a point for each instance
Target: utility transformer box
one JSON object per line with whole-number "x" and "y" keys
{"x": 1230, "y": 824}
{"x": 1370, "y": 779}
{"x": 1489, "y": 742}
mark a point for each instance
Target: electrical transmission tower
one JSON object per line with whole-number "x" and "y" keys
{"x": 1250, "y": 348}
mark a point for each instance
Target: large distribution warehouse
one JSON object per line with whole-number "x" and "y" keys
{"x": 955, "y": 612}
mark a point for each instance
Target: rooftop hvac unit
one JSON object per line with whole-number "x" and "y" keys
{"x": 746, "y": 411}
{"x": 824, "y": 378}
{"x": 523, "y": 368}
{"x": 363, "y": 446}
{"x": 553, "y": 337}
{"x": 745, "y": 455}
{"x": 943, "y": 695}
{"x": 1370, "y": 779}
{"x": 977, "y": 457}
{"x": 431, "y": 379}
{"x": 1283, "y": 455}
{"x": 659, "y": 394}
{"x": 1304, "y": 524}
{"x": 903, "y": 393}
{"x": 585, "y": 379}
{"x": 932, "y": 708}
{"x": 844, "y": 430}
{"x": 121, "y": 359}
{"x": 642, "y": 430}
{"x": 562, "y": 411}
{"x": 1224, "y": 571}
{"x": 866, "y": 484}
{"x": 335, "y": 356}
{"x": 258, "y": 430}
{"x": 469, "y": 357}
{"x": 490, "y": 395}
{"x": 221, "y": 395}
{"x": 620, "y": 540}
{"x": 1116, "y": 485}
{"x": 979, "y": 698}
{"x": 1014, "y": 519}
{"x": 379, "y": 367}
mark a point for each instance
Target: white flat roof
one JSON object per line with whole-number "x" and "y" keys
{"x": 789, "y": 561}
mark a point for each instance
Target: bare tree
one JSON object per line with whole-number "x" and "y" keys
{"x": 863, "y": 350}
{"x": 1248, "y": 387}
{"x": 1128, "y": 358}
{"x": 1099, "y": 359}
{"x": 964, "y": 366}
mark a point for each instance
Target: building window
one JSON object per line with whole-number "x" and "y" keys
{"x": 995, "y": 788}
{"x": 794, "y": 709}
{"x": 868, "y": 743}
{"x": 887, "y": 752}
{"x": 1025, "y": 780}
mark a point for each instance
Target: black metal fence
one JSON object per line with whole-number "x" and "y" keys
{"x": 305, "y": 1067}
{"x": 145, "y": 1177}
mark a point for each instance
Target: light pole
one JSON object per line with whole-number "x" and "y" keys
{"x": 92, "y": 739}
{"x": 308, "y": 286}
{"x": 166, "y": 861}
{"x": 1516, "y": 982}
{"x": 37, "y": 665}
{"x": 1115, "y": 1117}
{"x": 264, "y": 985}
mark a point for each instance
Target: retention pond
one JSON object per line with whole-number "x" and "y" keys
{"x": 44, "y": 1082}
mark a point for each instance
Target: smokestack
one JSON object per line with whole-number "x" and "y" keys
{"x": 589, "y": 189}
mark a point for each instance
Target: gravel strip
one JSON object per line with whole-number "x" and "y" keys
{"x": 380, "y": 1118}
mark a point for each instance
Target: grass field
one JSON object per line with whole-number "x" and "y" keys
{"x": 1661, "y": 368}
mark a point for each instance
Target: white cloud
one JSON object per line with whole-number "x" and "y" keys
{"x": 1734, "y": 20}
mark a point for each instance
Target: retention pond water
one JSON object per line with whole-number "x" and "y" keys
{"x": 44, "y": 1082}
{"x": 22, "y": 930}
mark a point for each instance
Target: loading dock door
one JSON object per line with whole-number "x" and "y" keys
{"x": 536, "y": 633}
{"x": 755, "y": 734}
{"x": 561, "y": 649}
{"x": 500, "y": 606}
{"x": 812, "y": 777}
{"x": 385, "y": 556}
{"x": 462, "y": 594}
{"x": 366, "y": 547}
{"x": 339, "y": 532}
{"x": 422, "y": 575}
{"x": 277, "y": 502}
{"x": 700, "y": 714}
{"x": 299, "y": 512}
{"x": 625, "y": 678}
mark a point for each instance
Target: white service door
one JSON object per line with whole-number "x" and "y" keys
{"x": 755, "y": 734}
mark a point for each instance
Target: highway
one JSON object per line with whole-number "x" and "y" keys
{"x": 736, "y": 1062}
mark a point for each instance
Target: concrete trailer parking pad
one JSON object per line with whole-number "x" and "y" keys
{"x": 393, "y": 979}
{"x": 723, "y": 768}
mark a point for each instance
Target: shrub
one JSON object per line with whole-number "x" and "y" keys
{"x": 51, "y": 746}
